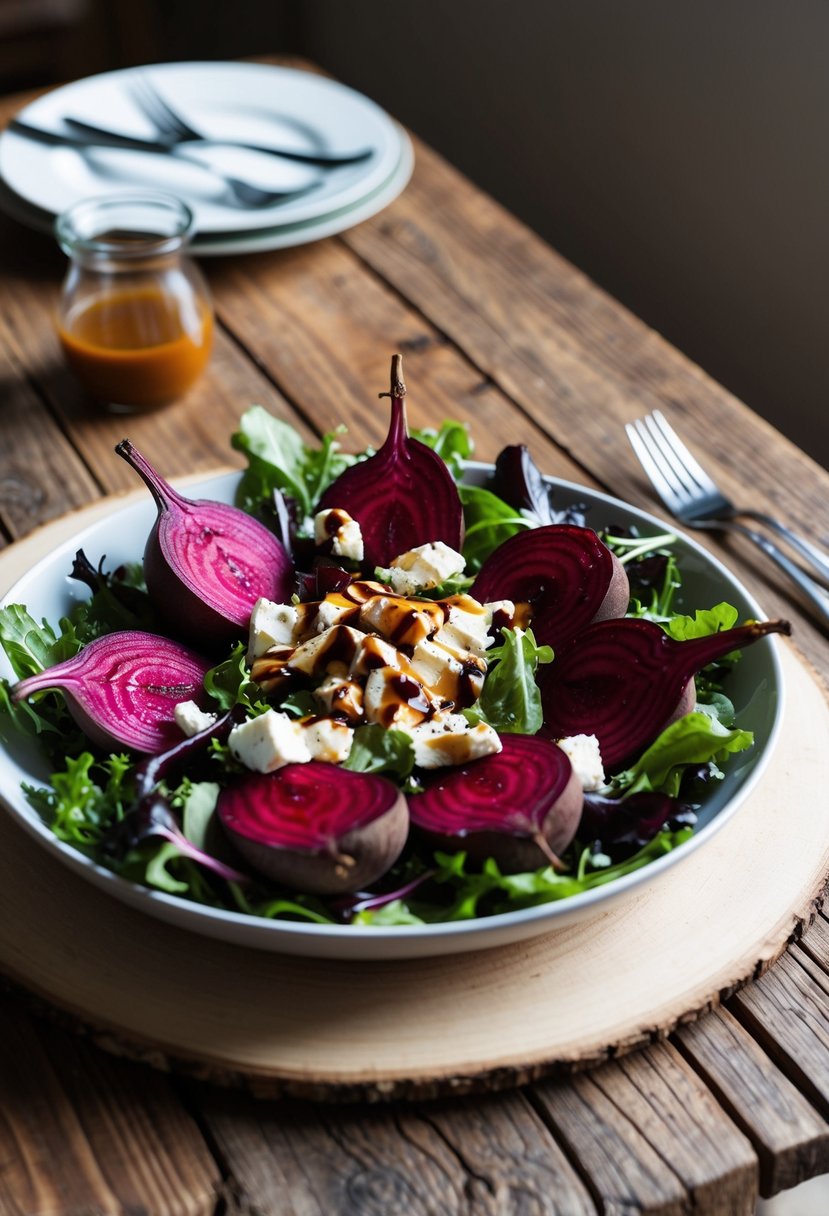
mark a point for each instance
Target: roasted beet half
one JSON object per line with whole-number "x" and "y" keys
{"x": 316, "y": 827}
{"x": 623, "y": 681}
{"x": 566, "y": 574}
{"x": 206, "y": 563}
{"x": 520, "y": 806}
{"x": 401, "y": 497}
{"x": 122, "y": 689}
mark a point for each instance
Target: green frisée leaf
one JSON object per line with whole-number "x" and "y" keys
{"x": 698, "y": 738}
{"x": 703, "y": 623}
{"x": 377, "y": 750}
{"x": 511, "y": 699}
{"x": 84, "y": 798}
{"x": 31, "y": 647}
{"x": 279, "y": 459}
{"x": 452, "y": 442}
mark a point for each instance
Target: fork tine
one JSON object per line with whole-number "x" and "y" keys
{"x": 687, "y": 488}
{"x": 156, "y": 108}
{"x": 660, "y": 475}
{"x": 688, "y": 462}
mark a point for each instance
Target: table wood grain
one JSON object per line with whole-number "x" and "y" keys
{"x": 499, "y": 330}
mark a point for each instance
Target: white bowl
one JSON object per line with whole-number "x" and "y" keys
{"x": 755, "y": 687}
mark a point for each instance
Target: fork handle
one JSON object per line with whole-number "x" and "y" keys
{"x": 818, "y": 561}
{"x": 814, "y": 593}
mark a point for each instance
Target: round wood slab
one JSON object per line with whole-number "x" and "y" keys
{"x": 346, "y": 1030}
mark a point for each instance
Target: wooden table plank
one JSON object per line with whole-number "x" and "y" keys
{"x": 82, "y": 1131}
{"x": 789, "y": 1136}
{"x": 149, "y": 1149}
{"x": 293, "y": 1159}
{"x": 41, "y": 475}
{"x": 656, "y": 1140}
{"x": 324, "y": 328}
{"x": 787, "y": 1012}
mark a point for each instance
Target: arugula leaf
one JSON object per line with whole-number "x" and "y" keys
{"x": 698, "y": 738}
{"x": 486, "y": 891}
{"x": 489, "y": 522}
{"x": 278, "y": 458}
{"x": 511, "y": 699}
{"x": 301, "y": 907}
{"x": 229, "y": 683}
{"x": 198, "y": 802}
{"x": 394, "y": 913}
{"x": 377, "y": 750}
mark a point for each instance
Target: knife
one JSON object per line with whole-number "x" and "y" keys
{"x": 324, "y": 160}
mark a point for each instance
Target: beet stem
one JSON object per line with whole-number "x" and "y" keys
{"x": 161, "y": 490}
{"x": 398, "y": 388}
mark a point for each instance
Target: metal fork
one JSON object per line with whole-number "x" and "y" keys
{"x": 695, "y": 500}
{"x": 173, "y": 129}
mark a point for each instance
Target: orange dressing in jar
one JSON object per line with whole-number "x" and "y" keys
{"x": 135, "y": 320}
{"x": 134, "y": 347}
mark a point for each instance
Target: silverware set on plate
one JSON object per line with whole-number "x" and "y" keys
{"x": 693, "y": 498}
{"x": 174, "y": 136}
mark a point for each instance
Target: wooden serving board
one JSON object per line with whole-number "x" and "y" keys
{"x": 499, "y": 1017}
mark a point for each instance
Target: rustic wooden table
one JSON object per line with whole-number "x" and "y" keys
{"x": 497, "y": 329}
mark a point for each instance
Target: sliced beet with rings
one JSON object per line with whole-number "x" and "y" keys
{"x": 623, "y": 680}
{"x": 520, "y": 806}
{"x": 566, "y": 574}
{"x": 316, "y": 827}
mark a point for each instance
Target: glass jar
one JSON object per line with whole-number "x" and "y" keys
{"x": 135, "y": 319}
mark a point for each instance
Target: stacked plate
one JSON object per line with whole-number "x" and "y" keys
{"x": 294, "y": 200}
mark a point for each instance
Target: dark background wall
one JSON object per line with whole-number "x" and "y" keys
{"x": 676, "y": 152}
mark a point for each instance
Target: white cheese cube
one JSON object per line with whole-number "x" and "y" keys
{"x": 338, "y": 644}
{"x": 586, "y": 759}
{"x": 405, "y": 622}
{"x": 373, "y": 652}
{"x": 271, "y": 625}
{"x": 327, "y": 740}
{"x": 467, "y": 627}
{"x": 337, "y": 695}
{"x": 332, "y": 612}
{"x": 424, "y": 567}
{"x": 395, "y": 700}
{"x": 447, "y": 677}
{"x": 448, "y": 739}
{"x": 268, "y": 742}
{"x": 342, "y": 531}
{"x": 190, "y": 719}
{"x": 501, "y": 616}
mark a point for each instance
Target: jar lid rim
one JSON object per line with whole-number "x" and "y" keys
{"x": 98, "y": 225}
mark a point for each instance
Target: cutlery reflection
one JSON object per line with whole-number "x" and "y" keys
{"x": 242, "y": 193}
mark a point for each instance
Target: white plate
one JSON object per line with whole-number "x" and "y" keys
{"x": 256, "y": 102}
{"x": 755, "y": 687}
{"x": 284, "y": 236}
